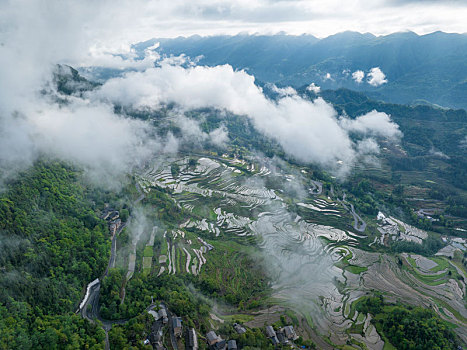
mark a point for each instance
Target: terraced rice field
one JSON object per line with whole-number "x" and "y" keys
{"x": 148, "y": 253}
{"x": 309, "y": 242}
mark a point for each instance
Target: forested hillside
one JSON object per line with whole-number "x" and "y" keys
{"x": 51, "y": 245}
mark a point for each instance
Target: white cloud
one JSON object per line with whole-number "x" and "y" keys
{"x": 282, "y": 92}
{"x": 313, "y": 88}
{"x": 171, "y": 144}
{"x": 123, "y": 59}
{"x": 368, "y": 146}
{"x": 358, "y": 76}
{"x": 327, "y": 77}
{"x": 34, "y": 36}
{"x": 193, "y": 135}
{"x": 91, "y": 135}
{"x": 373, "y": 123}
{"x": 376, "y": 77}
{"x": 219, "y": 136}
{"x": 367, "y": 151}
{"x": 309, "y": 131}
{"x": 438, "y": 153}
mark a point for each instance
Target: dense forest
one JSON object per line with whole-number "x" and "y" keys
{"x": 52, "y": 244}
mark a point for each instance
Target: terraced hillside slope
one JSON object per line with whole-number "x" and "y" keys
{"x": 244, "y": 220}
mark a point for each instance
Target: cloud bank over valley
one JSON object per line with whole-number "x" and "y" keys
{"x": 309, "y": 131}
{"x": 87, "y": 130}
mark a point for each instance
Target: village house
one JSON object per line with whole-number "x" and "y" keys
{"x": 212, "y": 338}
{"x": 282, "y": 338}
{"x": 155, "y": 337}
{"x": 239, "y": 328}
{"x": 154, "y": 314}
{"x": 114, "y": 215}
{"x": 177, "y": 326}
{"x": 232, "y": 345}
{"x": 271, "y": 334}
{"x": 220, "y": 345}
{"x": 290, "y": 333}
{"x": 163, "y": 315}
{"x": 191, "y": 340}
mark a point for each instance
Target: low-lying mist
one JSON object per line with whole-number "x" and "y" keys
{"x": 309, "y": 131}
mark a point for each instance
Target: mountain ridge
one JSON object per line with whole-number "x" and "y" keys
{"x": 429, "y": 67}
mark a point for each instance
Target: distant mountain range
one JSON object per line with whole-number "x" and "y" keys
{"x": 427, "y": 69}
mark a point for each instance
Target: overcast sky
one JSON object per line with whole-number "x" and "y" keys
{"x": 121, "y": 21}
{"x": 317, "y": 17}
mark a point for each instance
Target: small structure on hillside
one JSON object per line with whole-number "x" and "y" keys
{"x": 212, "y": 338}
{"x": 282, "y": 338}
{"x": 239, "y": 328}
{"x": 114, "y": 215}
{"x": 271, "y": 334}
{"x": 106, "y": 212}
{"x": 191, "y": 340}
{"x": 114, "y": 226}
{"x": 220, "y": 345}
{"x": 155, "y": 337}
{"x": 177, "y": 326}
{"x": 163, "y": 315}
{"x": 154, "y": 314}
{"x": 290, "y": 333}
{"x": 232, "y": 345}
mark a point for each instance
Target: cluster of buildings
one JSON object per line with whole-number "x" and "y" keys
{"x": 155, "y": 337}
{"x": 160, "y": 315}
{"x": 113, "y": 218}
{"x": 215, "y": 342}
{"x": 285, "y": 335}
{"x": 161, "y": 319}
